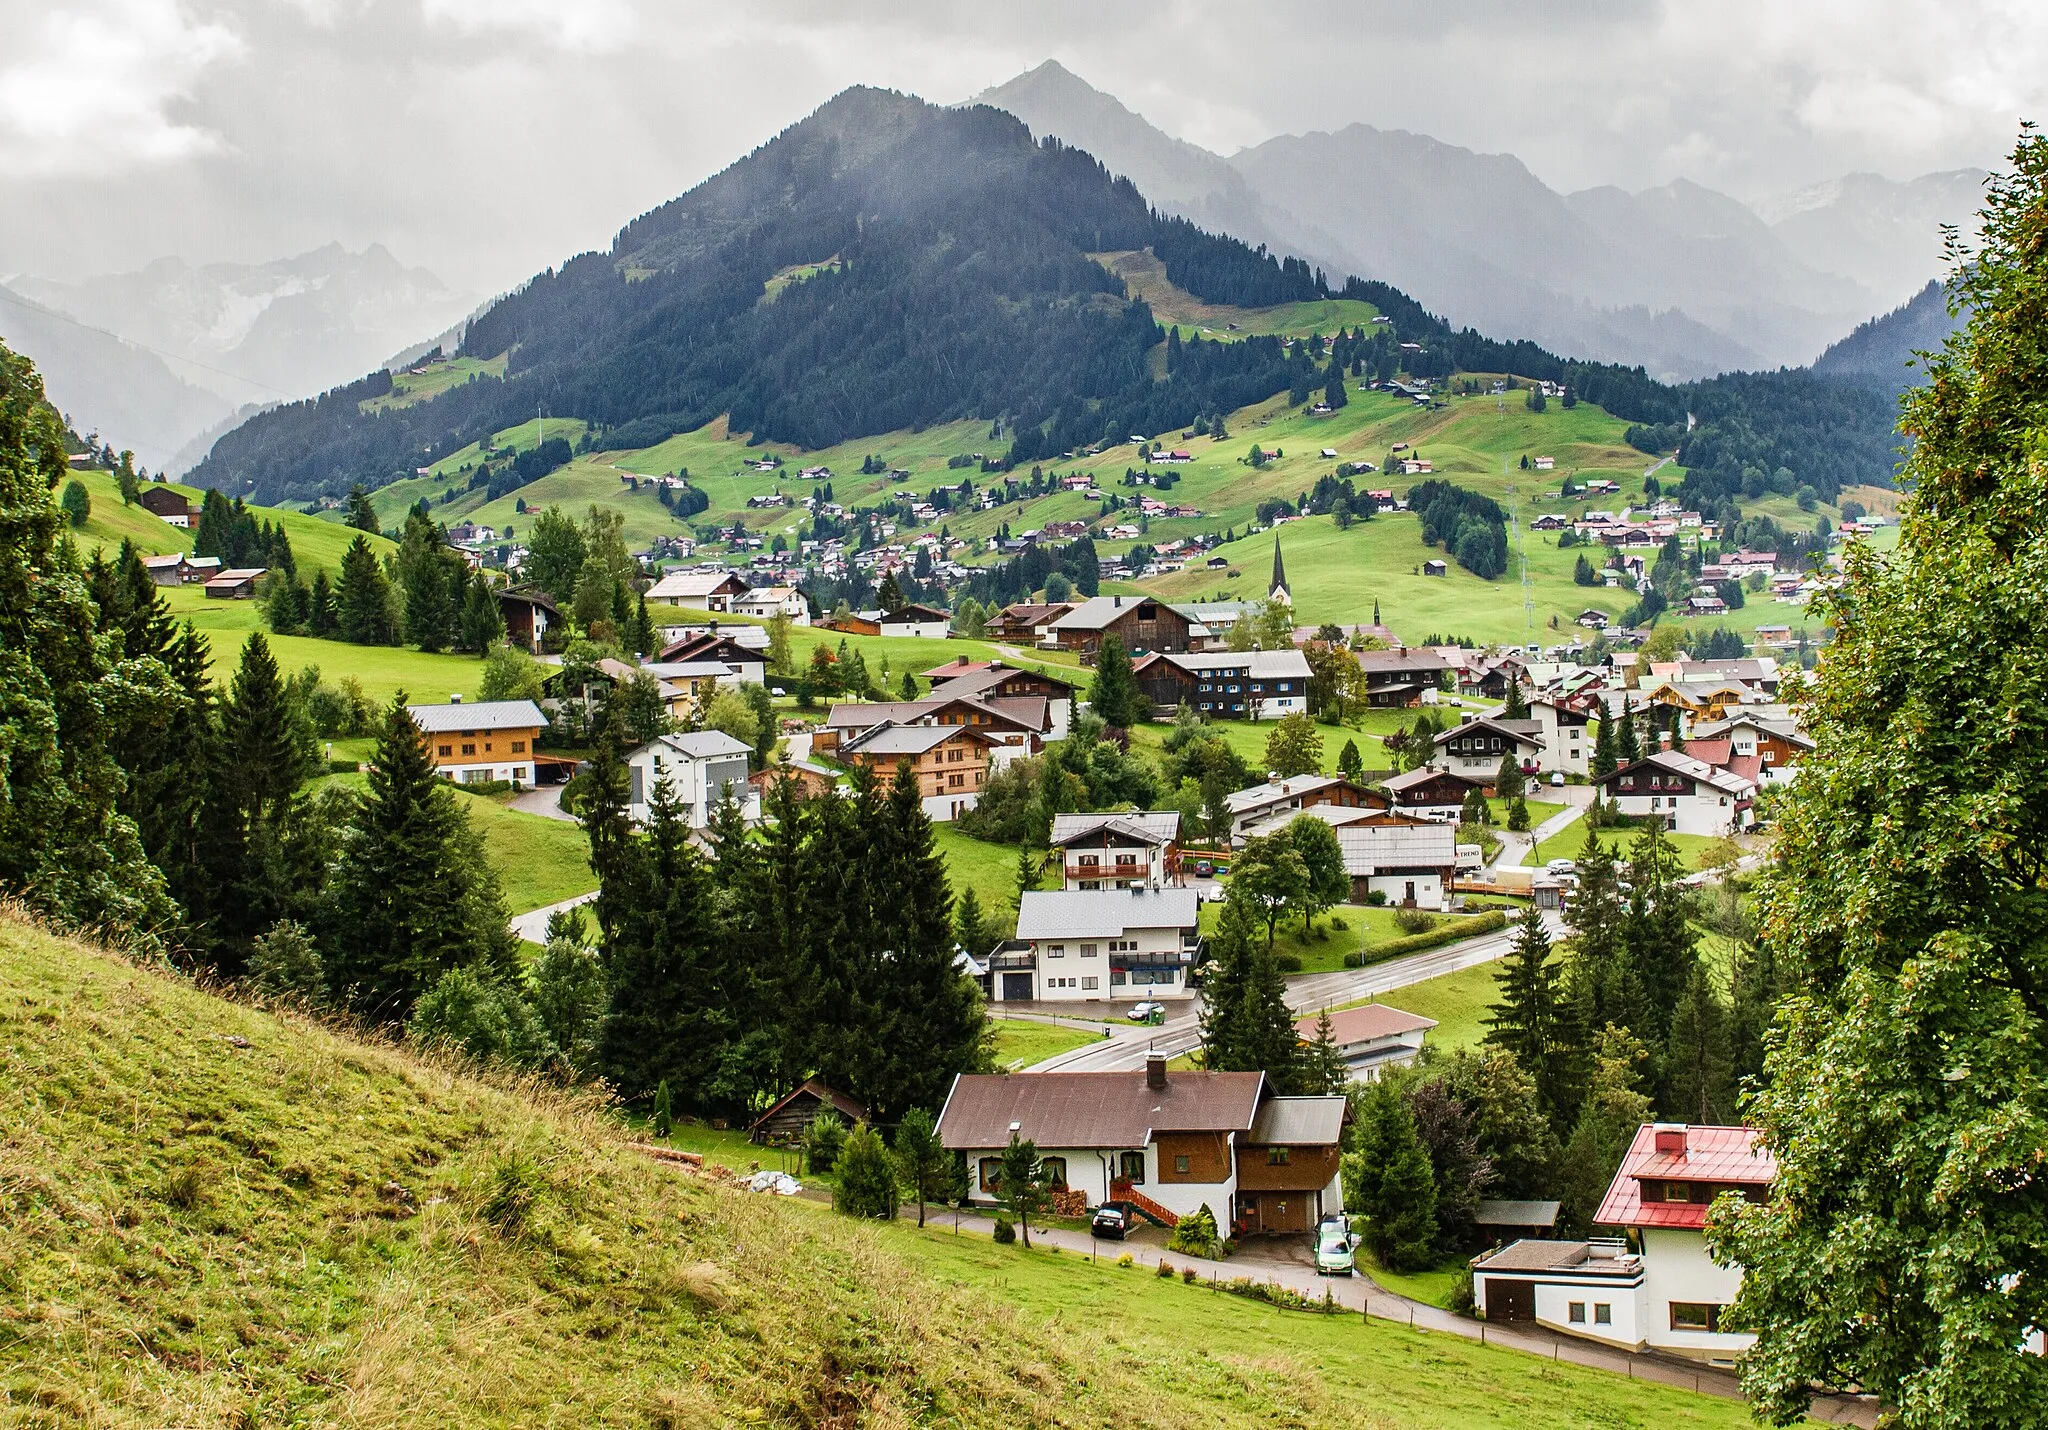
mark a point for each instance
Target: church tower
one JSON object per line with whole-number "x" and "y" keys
{"x": 1279, "y": 592}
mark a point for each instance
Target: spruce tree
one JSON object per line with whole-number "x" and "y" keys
{"x": 1605, "y": 759}
{"x": 926, "y": 1165}
{"x": 1517, "y": 706}
{"x": 1115, "y": 696}
{"x": 970, "y": 928}
{"x": 1508, "y": 781}
{"x": 1323, "y": 1066}
{"x": 1756, "y": 985}
{"x": 361, "y": 514}
{"x": 1658, "y": 931}
{"x": 1627, "y": 748}
{"x": 430, "y": 608}
{"x": 664, "y": 1113}
{"x": 1614, "y": 1110}
{"x": 413, "y": 895}
{"x": 1021, "y": 1183}
{"x": 1349, "y": 763}
{"x": 1699, "y": 1067}
{"x": 1532, "y": 1021}
{"x": 323, "y": 618}
{"x": 252, "y": 783}
{"x": 864, "y": 1175}
{"x": 482, "y": 625}
{"x": 1389, "y": 1180}
{"x": 363, "y": 603}
{"x": 1028, "y": 874}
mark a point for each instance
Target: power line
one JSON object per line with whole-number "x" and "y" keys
{"x": 38, "y": 308}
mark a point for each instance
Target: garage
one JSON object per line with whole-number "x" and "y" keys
{"x": 1016, "y": 988}
{"x": 1509, "y": 1300}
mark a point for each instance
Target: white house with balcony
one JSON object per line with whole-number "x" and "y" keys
{"x": 1118, "y": 851}
{"x": 1091, "y": 946}
{"x": 1476, "y": 748}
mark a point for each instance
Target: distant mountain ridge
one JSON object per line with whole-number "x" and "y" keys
{"x": 1880, "y": 353}
{"x": 1681, "y": 279}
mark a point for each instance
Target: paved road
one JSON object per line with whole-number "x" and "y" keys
{"x": 1307, "y": 993}
{"x": 533, "y": 926}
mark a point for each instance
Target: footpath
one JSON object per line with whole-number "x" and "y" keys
{"x": 1366, "y": 1297}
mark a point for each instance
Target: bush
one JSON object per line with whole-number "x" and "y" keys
{"x": 1338, "y": 923}
{"x": 866, "y": 1176}
{"x": 1188, "y": 1274}
{"x": 823, "y": 1141}
{"x": 1376, "y": 899}
{"x": 1414, "y": 921}
{"x": 1165, "y": 1269}
{"x": 1195, "y": 1235}
{"x": 1287, "y": 962}
{"x": 343, "y": 767}
{"x": 1126, "y": 1261}
{"x": 284, "y": 964}
{"x": 1447, "y": 933}
{"x": 1005, "y": 1232}
{"x": 482, "y": 1018}
{"x": 1461, "y": 1302}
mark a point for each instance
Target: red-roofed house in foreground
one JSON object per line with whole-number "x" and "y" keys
{"x": 1651, "y": 1284}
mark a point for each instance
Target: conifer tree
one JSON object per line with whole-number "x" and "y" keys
{"x": 1323, "y": 1066}
{"x": 1028, "y": 874}
{"x": 1115, "y": 696}
{"x": 1613, "y": 1111}
{"x": 865, "y": 1177}
{"x": 1532, "y": 1021}
{"x": 323, "y": 619}
{"x": 363, "y": 602}
{"x": 1605, "y": 757}
{"x": 926, "y": 1164}
{"x": 361, "y": 514}
{"x": 1627, "y": 748}
{"x": 1389, "y": 1180}
{"x": 1350, "y": 763}
{"x": 970, "y": 928}
{"x": 1021, "y": 1183}
{"x": 1508, "y": 781}
{"x": 413, "y": 895}
{"x": 1699, "y": 1068}
{"x": 482, "y": 625}
{"x": 1246, "y": 1025}
{"x": 664, "y": 1114}
{"x": 1517, "y": 706}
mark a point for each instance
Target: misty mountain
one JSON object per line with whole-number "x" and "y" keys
{"x": 252, "y": 332}
{"x": 1885, "y": 235}
{"x": 1879, "y": 354}
{"x": 1682, "y": 279}
{"x": 122, "y": 393}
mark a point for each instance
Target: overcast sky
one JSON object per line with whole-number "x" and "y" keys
{"x": 488, "y": 138}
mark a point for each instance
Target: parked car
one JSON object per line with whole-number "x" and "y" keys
{"x": 1144, "y": 1012}
{"x": 1203, "y": 868}
{"x": 1336, "y": 1249}
{"x": 1112, "y": 1220}
{"x": 1561, "y": 867}
{"x": 1557, "y": 779}
{"x": 1215, "y": 894}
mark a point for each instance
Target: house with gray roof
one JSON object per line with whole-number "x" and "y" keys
{"x": 1139, "y": 849}
{"x": 1099, "y": 945}
{"x": 696, "y": 768}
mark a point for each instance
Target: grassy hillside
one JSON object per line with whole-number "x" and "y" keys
{"x": 1145, "y": 277}
{"x": 219, "y": 1216}
{"x": 315, "y": 543}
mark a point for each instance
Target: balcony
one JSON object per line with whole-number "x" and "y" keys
{"x": 1013, "y": 956}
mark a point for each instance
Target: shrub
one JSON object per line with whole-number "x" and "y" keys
{"x": 1126, "y": 1261}
{"x": 1188, "y": 1274}
{"x": 1287, "y": 962}
{"x": 343, "y": 767}
{"x": 1338, "y": 923}
{"x": 480, "y": 1017}
{"x": 866, "y": 1176}
{"x": 1195, "y": 1235}
{"x": 1414, "y": 921}
{"x": 1376, "y": 899}
{"x": 1165, "y": 1269}
{"x": 1005, "y": 1233}
{"x": 284, "y": 964}
{"x": 1461, "y": 1302}
{"x": 823, "y": 1141}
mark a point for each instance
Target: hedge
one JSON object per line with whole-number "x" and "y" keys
{"x": 1462, "y": 928}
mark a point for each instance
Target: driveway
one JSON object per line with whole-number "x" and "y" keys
{"x": 533, "y": 925}
{"x": 543, "y": 800}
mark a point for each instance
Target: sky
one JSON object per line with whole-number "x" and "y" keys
{"x": 487, "y": 139}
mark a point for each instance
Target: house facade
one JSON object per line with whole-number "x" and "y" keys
{"x": 1277, "y": 798}
{"x": 236, "y": 584}
{"x": 1688, "y": 794}
{"x": 1140, "y": 622}
{"x": 696, "y": 768}
{"x": 995, "y": 681}
{"x": 1399, "y": 678}
{"x": 171, "y": 506}
{"x": 1430, "y": 793}
{"x": 1371, "y": 1038}
{"x": 1015, "y": 726}
{"x": 1103, "y": 945}
{"x": 1140, "y": 850}
{"x": 1475, "y": 748}
{"x": 479, "y": 742}
{"x": 1652, "y": 1284}
{"x": 1565, "y": 727}
{"x": 950, "y": 762}
{"x": 1165, "y": 1143}
{"x": 698, "y": 590}
{"x": 1227, "y": 685}
{"x": 767, "y": 602}
{"x": 1410, "y": 865}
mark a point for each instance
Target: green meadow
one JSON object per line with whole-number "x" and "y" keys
{"x": 315, "y": 543}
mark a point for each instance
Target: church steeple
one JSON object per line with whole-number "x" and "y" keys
{"x": 1279, "y": 592}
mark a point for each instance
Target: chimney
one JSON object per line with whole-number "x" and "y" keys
{"x": 1119, "y": 601}
{"x": 455, "y": 698}
{"x": 1670, "y": 1139}
{"x": 1155, "y": 1071}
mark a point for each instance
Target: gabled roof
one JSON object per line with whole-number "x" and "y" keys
{"x": 1255, "y": 664}
{"x": 1300, "y": 1122}
{"x": 706, "y": 645}
{"x": 476, "y": 715}
{"x": 1364, "y": 1024}
{"x": 1099, "y": 612}
{"x": 1280, "y": 791}
{"x": 1368, "y": 848}
{"x": 811, "y": 1087}
{"x": 986, "y": 675}
{"x": 1727, "y": 1155}
{"x": 890, "y": 738}
{"x": 695, "y": 583}
{"x": 1529, "y": 732}
{"x": 913, "y": 614}
{"x": 1156, "y": 826}
{"x": 1021, "y": 712}
{"x": 698, "y": 745}
{"x": 1113, "y": 1110}
{"x": 1103, "y": 913}
{"x": 1678, "y": 763}
{"x": 1402, "y": 783}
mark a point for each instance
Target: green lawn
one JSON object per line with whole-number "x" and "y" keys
{"x": 1022, "y": 1042}
{"x": 1539, "y": 810}
{"x": 1259, "y": 1366}
{"x": 540, "y": 861}
{"x": 315, "y": 543}
{"x": 1323, "y": 950}
{"x": 989, "y": 869}
{"x": 1432, "y": 1287}
{"x": 1458, "y": 1001}
{"x": 1572, "y": 843}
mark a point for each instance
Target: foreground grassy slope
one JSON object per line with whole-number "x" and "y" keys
{"x": 212, "y": 1215}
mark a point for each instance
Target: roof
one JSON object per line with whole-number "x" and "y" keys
{"x": 914, "y": 614}
{"x": 1422, "y": 661}
{"x": 1099, "y": 612}
{"x": 1103, "y": 913}
{"x": 1300, "y": 1122}
{"x": 1728, "y": 1155}
{"x": 974, "y": 679}
{"x": 235, "y": 576}
{"x": 1366, "y": 1023}
{"x": 1504, "y": 1213}
{"x": 1402, "y": 783}
{"x": 1277, "y": 791}
{"x": 476, "y": 715}
{"x": 1579, "y": 1257}
{"x": 699, "y": 745}
{"x": 1679, "y": 763}
{"x": 849, "y": 1109}
{"x": 1099, "y": 1109}
{"x": 695, "y": 583}
{"x": 891, "y": 738}
{"x": 1527, "y": 731}
{"x": 1372, "y": 847}
{"x": 1334, "y": 815}
{"x": 1256, "y": 664}
{"x": 1157, "y": 826}
{"x": 174, "y": 559}
{"x": 1031, "y": 613}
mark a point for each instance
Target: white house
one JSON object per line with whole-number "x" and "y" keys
{"x": 1667, "y": 1293}
{"x": 1565, "y": 729}
{"x": 922, "y": 622}
{"x": 481, "y": 741}
{"x": 1247, "y": 685}
{"x": 1163, "y": 1143}
{"x": 1085, "y": 946}
{"x": 1263, "y": 803}
{"x": 1412, "y": 865}
{"x": 768, "y": 602}
{"x": 700, "y": 590}
{"x": 1474, "y": 749}
{"x": 696, "y": 768}
{"x": 1690, "y": 795}
{"x": 1371, "y": 1038}
{"x": 1118, "y": 851}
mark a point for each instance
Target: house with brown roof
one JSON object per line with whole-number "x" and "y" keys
{"x": 1016, "y": 725}
{"x": 1371, "y": 1038}
{"x": 1165, "y": 1143}
{"x": 1027, "y": 622}
{"x": 236, "y": 584}
{"x": 950, "y": 762}
{"x": 784, "y": 1124}
{"x": 1430, "y": 793}
{"x": 169, "y": 504}
{"x": 1397, "y": 678}
{"x": 1688, "y": 794}
{"x": 1662, "y": 1291}
{"x": 1475, "y": 748}
{"x": 1099, "y": 945}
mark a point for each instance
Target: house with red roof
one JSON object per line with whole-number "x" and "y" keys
{"x": 1647, "y": 1280}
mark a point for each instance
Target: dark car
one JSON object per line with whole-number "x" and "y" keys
{"x": 1112, "y": 1220}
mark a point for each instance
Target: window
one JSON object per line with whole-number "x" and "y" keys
{"x": 1091, "y": 950}
{"x": 1089, "y": 985}
{"x": 956, "y": 781}
{"x": 1131, "y": 1167}
{"x": 1183, "y": 1163}
{"x": 1055, "y": 1172}
{"x": 519, "y": 747}
{"x": 1091, "y": 858}
{"x": 1603, "y": 1314}
{"x": 1575, "y": 1312}
{"x": 447, "y": 750}
{"x": 955, "y": 755}
{"x": 1277, "y": 1156}
{"x": 1057, "y": 950}
{"x": 469, "y": 749}
{"x": 1695, "y": 1316}
{"x": 991, "y": 1174}
{"x": 1677, "y": 1192}
{"x": 487, "y": 747}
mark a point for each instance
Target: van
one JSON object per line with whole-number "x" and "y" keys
{"x": 1471, "y": 858}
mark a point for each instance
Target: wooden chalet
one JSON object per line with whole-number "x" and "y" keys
{"x": 786, "y": 1122}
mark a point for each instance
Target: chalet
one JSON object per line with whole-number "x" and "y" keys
{"x": 1690, "y": 795}
{"x": 1027, "y": 622}
{"x": 170, "y": 505}
{"x": 483, "y": 741}
{"x": 1140, "y": 622}
{"x": 1410, "y": 864}
{"x": 1077, "y": 945}
{"x": 746, "y": 664}
{"x": 1543, "y": 464}
{"x": 527, "y": 612}
{"x": 699, "y": 590}
{"x": 1476, "y": 748}
{"x": 1014, "y": 725}
{"x": 1371, "y": 1038}
{"x": 1138, "y": 850}
{"x": 238, "y": 584}
{"x": 1550, "y": 521}
{"x": 784, "y": 1124}
{"x": 1431, "y": 793}
{"x": 171, "y": 570}
{"x": 1435, "y": 567}
{"x": 1165, "y": 1143}
{"x": 950, "y": 762}
{"x": 1227, "y": 685}
{"x": 1296, "y": 793}
{"x": 994, "y": 681}
{"x": 1668, "y": 1293}
{"x": 767, "y": 602}
{"x": 696, "y": 768}
{"x": 1761, "y": 748}
{"x": 923, "y": 622}
{"x": 1399, "y": 678}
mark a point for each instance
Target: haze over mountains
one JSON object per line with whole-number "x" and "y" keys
{"x": 223, "y": 336}
{"x": 1681, "y": 279}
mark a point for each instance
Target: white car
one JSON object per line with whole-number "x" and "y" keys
{"x": 1141, "y": 1011}
{"x": 1557, "y": 779}
{"x": 1561, "y": 867}
{"x": 1335, "y": 1249}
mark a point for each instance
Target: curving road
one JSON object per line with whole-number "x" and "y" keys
{"x": 1307, "y": 993}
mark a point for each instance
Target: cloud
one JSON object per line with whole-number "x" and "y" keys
{"x": 585, "y": 26}
{"x": 96, "y": 88}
